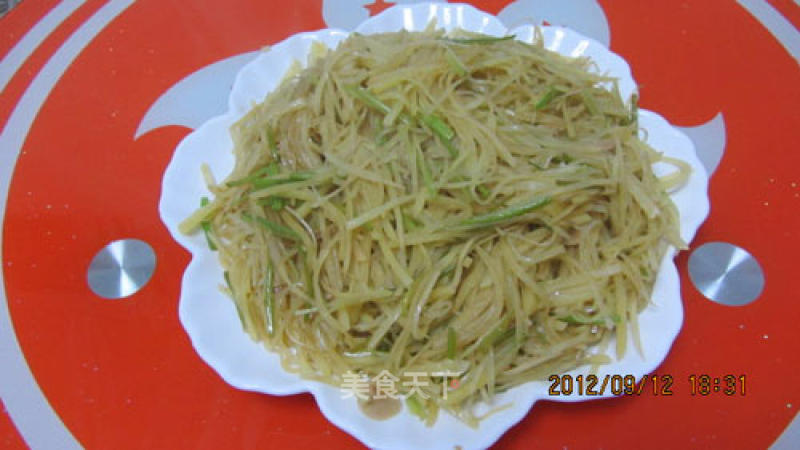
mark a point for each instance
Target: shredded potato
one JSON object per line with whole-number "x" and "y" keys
{"x": 423, "y": 202}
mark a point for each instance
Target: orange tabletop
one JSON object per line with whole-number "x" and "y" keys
{"x": 78, "y": 169}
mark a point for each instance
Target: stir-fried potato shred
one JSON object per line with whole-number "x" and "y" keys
{"x": 430, "y": 202}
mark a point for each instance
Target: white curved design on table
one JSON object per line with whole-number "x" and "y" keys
{"x": 33, "y": 416}
{"x": 211, "y": 321}
{"x": 206, "y": 90}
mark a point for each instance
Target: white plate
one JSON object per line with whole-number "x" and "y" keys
{"x": 210, "y": 318}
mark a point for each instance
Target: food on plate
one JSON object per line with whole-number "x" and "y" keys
{"x": 473, "y": 210}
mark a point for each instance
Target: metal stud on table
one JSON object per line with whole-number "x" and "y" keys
{"x": 121, "y": 268}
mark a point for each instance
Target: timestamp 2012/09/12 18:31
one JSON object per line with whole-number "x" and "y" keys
{"x": 658, "y": 385}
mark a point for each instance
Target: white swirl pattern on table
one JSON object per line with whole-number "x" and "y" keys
{"x": 35, "y": 420}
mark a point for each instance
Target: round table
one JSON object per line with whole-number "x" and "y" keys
{"x": 95, "y": 96}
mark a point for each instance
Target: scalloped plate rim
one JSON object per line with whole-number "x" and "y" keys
{"x": 336, "y": 412}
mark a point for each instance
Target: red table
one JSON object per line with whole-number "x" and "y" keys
{"x": 79, "y": 76}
